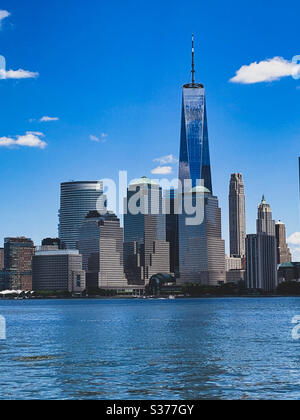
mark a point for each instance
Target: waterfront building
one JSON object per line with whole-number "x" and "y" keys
{"x": 201, "y": 248}
{"x": 58, "y": 270}
{"x": 283, "y": 252}
{"x": 237, "y": 216}
{"x": 261, "y": 252}
{"x": 171, "y": 200}
{"x": 101, "y": 246}
{"x": 18, "y": 253}
{"x": 146, "y": 250}
{"x": 235, "y": 269}
{"x": 76, "y": 201}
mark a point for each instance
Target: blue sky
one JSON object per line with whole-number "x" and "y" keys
{"x": 114, "y": 71}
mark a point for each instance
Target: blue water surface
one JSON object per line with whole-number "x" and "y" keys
{"x": 150, "y": 349}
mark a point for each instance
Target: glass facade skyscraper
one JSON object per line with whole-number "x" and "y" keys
{"x": 201, "y": 248}
{"x": 76, "y": 201}
{"x": 194, "y": 161}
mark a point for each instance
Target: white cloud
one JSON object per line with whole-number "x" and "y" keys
{"x": 3, "y": 15}
{"x": 266, "y": 71}
{"x": 294, "y": 239}
{"x": 97, "y": 139}
{"x": 164, "y": 160}
{"x": 49, "y": 119}
{"x": 162, "y": 170}
{"x": 17, "y": 74}
{"x": 30, "y": 139}
{"x": 294, "y": 243}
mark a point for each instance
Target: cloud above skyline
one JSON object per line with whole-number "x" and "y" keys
{"x": 294, "y": 243}
{"x": 164, "y": 160}
{"x": 162, "y": 170}
{"x": 17, "y": 74}
{"x": 3, "y": 15}
{"x": 30, "y": 139}
{"x": 266, "y": 71}
{"x": 48, "y": 119}
{"x": 99, "y": 139}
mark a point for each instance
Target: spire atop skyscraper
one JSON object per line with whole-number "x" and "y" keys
{"x": 193, "y": 61}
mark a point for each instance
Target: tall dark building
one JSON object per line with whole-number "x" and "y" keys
{"x": 18, "y": 253}
{"x": 283, "y": 252}
{"x": 76, "y": 201}
{"x": 237, "y": 216}
{"x": 261, "y": 252}
{"x": 146, "y": 251}
{"x": 201, "y": 248}
{"x": 171, "y": 200}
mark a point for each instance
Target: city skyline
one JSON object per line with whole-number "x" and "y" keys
{"x": 103, "y": 128}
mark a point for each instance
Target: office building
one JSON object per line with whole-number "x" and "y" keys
{"x": 283, "y": 252}
{"x": 261, "y": 252}
{"x": 101, "y": 246}
{"x": 58, "y": 270}
{"x": 171, "y": 200}
{"x": 18, "y": 253}
{"x": 194, "y": 161}
{"x": 237, "y": 216}
{"x": 201, "y": 248}
{"x": 76, "y": 201}
{"x": 146, "y": 250}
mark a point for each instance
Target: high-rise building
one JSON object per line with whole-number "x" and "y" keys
{"x": 101, "y": 245}
{"x": 18, "y": 253}
{"x": 171, "y": 201}
{"x": 283, "y": 252}
{"x": 146, "y": 251}
{"x": 201, "y": 248}
{"x": 237, "y": 216}
{"x": 261, "y": 252}
{"x": 194, "y": 162}
{"x": 58, "y": 270}
{"x": 76, "y": 201}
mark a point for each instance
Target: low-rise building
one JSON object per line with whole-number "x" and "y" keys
{"x": 58, "y": 270}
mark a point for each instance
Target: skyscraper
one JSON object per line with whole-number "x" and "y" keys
{"x": 237, "y": 216}
{"x": 171, "y": 200}
{"x": 283, "y": 252}
{"x": 194, "y": 161}
{"x": 101, "y": 245}
{"x": 76, "y": 201}
{"x": 146, "y": 251}
{"x": 261, "y": 252}
{"x": 201, "y": 248}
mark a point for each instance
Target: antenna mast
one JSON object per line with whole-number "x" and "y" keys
{"x": 193, "y": 61}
